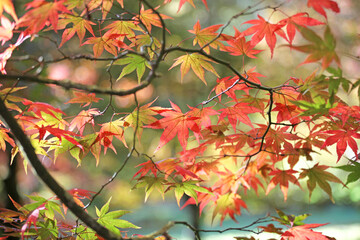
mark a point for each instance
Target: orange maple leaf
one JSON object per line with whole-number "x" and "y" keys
{"x": 8, "y": 6}
{"x": 41, "y": 14}
{"x": 149, "y": 18}
{"x": 206, "y": 35}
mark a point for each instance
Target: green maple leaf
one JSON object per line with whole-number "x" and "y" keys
{"x": 133, "y": 62}
{"x": 111, "y": 220}
{"x": 151, "y": 183}
{"x": 189, "y": 188}
{"x": 197, "y": 62}
{"x": 145, "y": 115}
{"x": 318, "y": 49}
{"x": 354, "y": 171}
{"x": 318, "y": 176}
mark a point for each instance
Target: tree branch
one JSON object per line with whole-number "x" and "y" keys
{"x": 28, "y": 151}
{"x": 77, "y": 86}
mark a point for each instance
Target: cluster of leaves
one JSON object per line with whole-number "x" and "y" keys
{"x": 42, "y": 215}
{"x": 262, "y": 132}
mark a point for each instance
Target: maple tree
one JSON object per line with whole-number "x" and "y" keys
{"x": 244, "y": 135}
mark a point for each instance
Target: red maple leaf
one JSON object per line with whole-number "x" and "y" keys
{"x": 263, "y": 28}
{"x": 304, "y": 232}
{"x": 32, "y": 219}
{"x": 175, "y": 123}
{"x": 145, "y": 168}
{"x": 319, "y": 5}
{"x": 238, "y": 112}
{"x": 38, "y": 108}
{"x": 282, "y": 177}
{"x": 59, "y": 133}
{"x": 223, "y": 86}
{"x": 300, "y": 19}
{"x": 342, "y": 138}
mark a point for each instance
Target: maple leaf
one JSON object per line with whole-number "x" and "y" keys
{"x": 282, "y": 177}
{"x": 41, "y": 15}
{"x": 151, "y": 183}
{"x": 182, "y": 2}
{"x": 5, "y": 137}
{"x": 83, "y": 118}
{"x": 8, "y": 52}
{"x": 174, "y": 123}
{"x": 133, "y": 62}
{"x": 5, "y": 56}
{"x": 318, "y": 175}
{"x": 304, "y": 232}
{"x": 263, "y": 28}
{"x": 38, "y": 108}
{"x": 223, "y": 85}
{"x": 59, "y": 133}
{"x": 83, "y": 98}
{"x": 271, "y": 229}
{"x": 79, "y": 26}
{"x": 319, "y": 5}
{"x": 32, "y": 219}
{"x": 354, "y": 171}
{"x": 202, "y": 115}
{"x": 240, "y": 46}
{"x": 6, "y": 30}
{"x": 8, "y": 6}
{"x": 238, "y": 112}
{"x": 206, "y": 35}
{"x": 105, "y": 6}
{"x": 111, "y": 220}
{"x": 126, "y": 28}
{"x": 145, "y": 168}
{"x": 78, "y": 194}
{"x": 228, "y": 204}
{"x": 299, "y": 19}
{"x": 149, "y": 18}
{"x": 319, "y": 49}
{"x": 189, "y": 188}
{"x": 197, "y": 62}
{"x": 143, "y": 116}
{"x": 110, "y": 129}
{"x": 101, "y": 43}
{"x": 342, "y": 138}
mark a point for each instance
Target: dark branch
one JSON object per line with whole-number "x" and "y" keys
{"x": 28, "y": 151}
